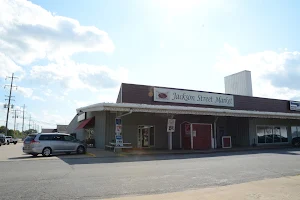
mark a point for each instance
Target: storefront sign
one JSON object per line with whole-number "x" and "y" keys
{"x": 118, "y": 129}
{"x": 171, "y": 125}
{"x": 295, "y": 105}
{"x": 118, "y": 123}
{"x": 119, "y": 140}
{"x": 81, "y": 117}
{"x": 192, "y": 97}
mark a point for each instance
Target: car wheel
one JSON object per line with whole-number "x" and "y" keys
{"x": 46, "y": 151}
{"x": 7, "y": 143}
{"x": 34, "y": 154}
{"x": 15, "y": 143}
{"x": 81, "y": 150}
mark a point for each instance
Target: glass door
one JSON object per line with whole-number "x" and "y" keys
{"x": 145, "y": 136}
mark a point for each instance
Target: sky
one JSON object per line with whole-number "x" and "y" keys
{"x": 68, "y": 54}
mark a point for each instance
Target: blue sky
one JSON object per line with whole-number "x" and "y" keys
{"x": 69, "y": 53}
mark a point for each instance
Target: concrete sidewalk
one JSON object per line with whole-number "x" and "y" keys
{"x": 100, "y": 153}
{"x": 210, "y": 151}
{"x": 285, "y": 188}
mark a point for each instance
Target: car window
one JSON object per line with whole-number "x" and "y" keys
{"x": 69, "y": 138}
{"x": 45, "y": 137}
{"x": 58, "y": 137}
{"x": 29, "y": 138}
{"x": 8, "y": 136}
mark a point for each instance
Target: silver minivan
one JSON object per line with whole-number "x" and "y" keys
{"x": 50, "y": 143}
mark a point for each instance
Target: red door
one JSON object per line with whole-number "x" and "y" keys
{"x": 186, "y": 135}
{"x": 201, "y": 136}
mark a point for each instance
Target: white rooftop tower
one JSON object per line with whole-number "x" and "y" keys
{"x": 239, "y": 83}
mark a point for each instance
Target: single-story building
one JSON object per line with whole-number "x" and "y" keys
{"x": 203, "y": 119}
{"x": 58, "y": 129}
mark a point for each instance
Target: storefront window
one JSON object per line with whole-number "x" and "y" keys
{"x": 284, "y": 136}
{"x": 261, "y": 134}
{"x": 271, "y": 134}
{"x": 295, "y": 131}
{"x": 277, "y": 135}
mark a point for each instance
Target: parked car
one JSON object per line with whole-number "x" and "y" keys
{"x": 296, "y": 142}
{"x": 10, "y": 139}
{"x": 50, "y": 143}
{"x": 2, "y": 139}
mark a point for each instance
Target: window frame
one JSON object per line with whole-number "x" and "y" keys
{"x": 74, "y": 139}
{"x": 137, "y": 136}
{"x": 297, "y": 131}
{"x": 49, "y": 136}
{"x": 53, "y": 136}
{"x": 273, "y": 127}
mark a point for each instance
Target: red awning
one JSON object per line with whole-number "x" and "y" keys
{"x": 87, "y": 122}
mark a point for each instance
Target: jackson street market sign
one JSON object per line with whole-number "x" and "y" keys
{"x": 192, "y": 97}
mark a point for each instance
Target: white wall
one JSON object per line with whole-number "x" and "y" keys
{"x": 239, "y": 84}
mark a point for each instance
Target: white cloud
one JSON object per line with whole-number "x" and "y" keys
{"x": 7, "y": 66}
{"x": 274, "y": 75}
{"x": 111, "y": 98}
{"x": 47, "y": 92}
{"x": 37, "y": 98}
{"x": 53, "y": 118}
{"x": 26, "y": 92}
{"x": 71, "y": 75}
{"x": 28, "y": 33}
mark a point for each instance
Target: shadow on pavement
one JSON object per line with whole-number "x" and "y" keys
{"x": 157, "y": 157}
{"x": 60, "y": 156}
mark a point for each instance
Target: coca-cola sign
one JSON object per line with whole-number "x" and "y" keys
{"x": 193, "y": 97}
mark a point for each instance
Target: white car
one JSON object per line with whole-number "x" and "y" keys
{"x": 9, "y": 139}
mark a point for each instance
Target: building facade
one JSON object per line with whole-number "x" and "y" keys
{"x": 203, "y": 119}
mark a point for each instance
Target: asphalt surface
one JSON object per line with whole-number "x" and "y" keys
{"x": 97, "y": 178}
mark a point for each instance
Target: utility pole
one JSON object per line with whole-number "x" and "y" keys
{"x": 16, "y": 116}
{"x": 9, "y": 98}
{"x": 23, "y": 119}
{"x": 15, "y": 120}
{"x": 29, "y": 122}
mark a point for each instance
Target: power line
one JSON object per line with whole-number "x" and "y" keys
{"x": 23, "y": 119}
{"x": 9, "y": 98}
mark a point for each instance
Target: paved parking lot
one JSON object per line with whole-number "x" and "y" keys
{"x": 101, "y": 178}
{"x": 15, "y": 153}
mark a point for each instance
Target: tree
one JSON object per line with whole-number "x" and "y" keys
{"x": 2, "y": 129}
{"x": 30, "y": 131}
{"x": 10, "y": 132}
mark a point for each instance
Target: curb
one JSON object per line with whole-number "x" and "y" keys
{"x": 207, "y": 152}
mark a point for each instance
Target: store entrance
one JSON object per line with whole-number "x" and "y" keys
{"x": 201, "y": 136}
{"x": 145, "y": 136}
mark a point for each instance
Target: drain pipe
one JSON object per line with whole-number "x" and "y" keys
{"x": 215, "y": 132}
{"x": 125, "y": 114}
